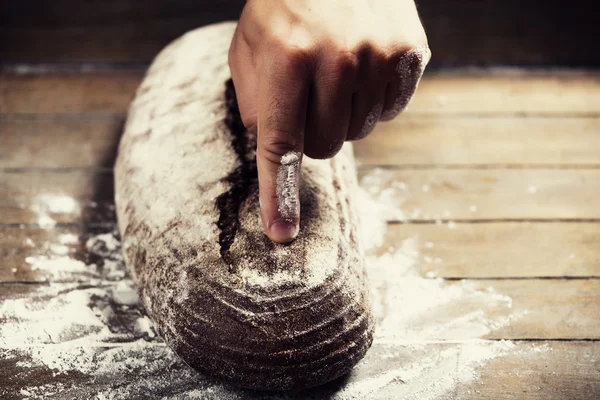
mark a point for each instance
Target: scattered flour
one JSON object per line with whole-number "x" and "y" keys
{"x": 288, "y": 179}
{"x": 409, "y": 71}
{"x": 57, "y": 268}
{"x": 432, "y": 376}
{"x": 89, "y": 321}
{"x": 68, "y": 238}
{"x": 371, "y": 120}
{"x": 47, "y": 204}
{"x": 532, "y": 189}
{"x": 124, "y": 293}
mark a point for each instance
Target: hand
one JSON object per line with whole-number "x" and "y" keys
{"x": 311, "y": 74}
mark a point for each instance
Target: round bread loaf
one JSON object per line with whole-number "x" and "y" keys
{"x": 230, "y": 302}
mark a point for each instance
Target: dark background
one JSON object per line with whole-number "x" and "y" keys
{"x": 461, "y": 32}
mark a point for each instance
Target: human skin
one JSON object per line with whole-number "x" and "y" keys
{"x": 312, "y": 74}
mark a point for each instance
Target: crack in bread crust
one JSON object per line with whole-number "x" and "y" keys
{"x": 244, "y": 175}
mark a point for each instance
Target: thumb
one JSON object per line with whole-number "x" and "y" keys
{"x": 282, "y": 102}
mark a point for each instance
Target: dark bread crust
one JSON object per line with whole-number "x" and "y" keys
{"x": 257, "y": 315}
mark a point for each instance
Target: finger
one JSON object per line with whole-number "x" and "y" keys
{"x": 283, "y": 94}
{"x": 399, "y": 91}
{"x": 366, "y": 110}
{"x": 367, "y": 101}
{"x": 245, "y": 79}
{"x": 330, "y": 106}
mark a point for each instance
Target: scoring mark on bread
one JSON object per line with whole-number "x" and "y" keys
{"x": 242, "y": 177}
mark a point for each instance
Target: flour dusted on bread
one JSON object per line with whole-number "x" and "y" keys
{"x": 230, "y": 302}
{"x": 288, "y": 179}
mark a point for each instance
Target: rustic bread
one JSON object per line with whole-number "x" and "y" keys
{"x": 225, "y": 298}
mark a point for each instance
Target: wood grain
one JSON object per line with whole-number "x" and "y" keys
{"x": 520, "y": 309}
{"x": 440, "y": 140}
{"x": 503, "y": 92}
{"x": 489, "y": 194}
{"x": 566, "y": 371}
{"x": 102, "y": 94}
{"x": 502, "y": 250}
{"x": 549, "y": 309}
{"x": 541, "y": 370}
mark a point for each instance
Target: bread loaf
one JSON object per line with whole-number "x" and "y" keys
{"x": 230, "y": 302}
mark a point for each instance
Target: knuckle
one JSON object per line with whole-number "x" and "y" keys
{"x": 378, "y": 61}
{"x": 411, "y": 58}
{"x": 296, "y": 56}
{"x": 277, "y": 145}
{"x": 347, "y": 62}
{"x": 292, "y": 50}
{"x": 411, "y": 47}
{"x": 378, "y": 55}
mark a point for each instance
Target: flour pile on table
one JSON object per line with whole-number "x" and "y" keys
{"x": 87, "y": 326}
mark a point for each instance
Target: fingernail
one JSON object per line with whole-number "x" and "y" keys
{"x": 283, "y": 231}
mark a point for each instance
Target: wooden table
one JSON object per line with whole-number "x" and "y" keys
{"x": 510, "y": 158}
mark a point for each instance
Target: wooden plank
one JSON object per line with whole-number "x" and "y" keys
{"x": 501, "y": 250}
{"x": 489, "y": 194}
{"x": 508, "y": 92}
{"x": 460, "y": 32}
{"x": 462, "y": 141}
{"x": 548, "y": 309}
{"x": 565, "y": 371}
{"x": 492, "y": 309}
{"x": 423, "y": 195}
{"x": 98, "y": 94}
{"x": 464, "y": 92}
{"x": 546, "y": 370}
{"x": 59, "y": 143}
{"x": 407, "y": 141}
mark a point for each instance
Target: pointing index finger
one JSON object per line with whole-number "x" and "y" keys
{"x": 282, "y": 103}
